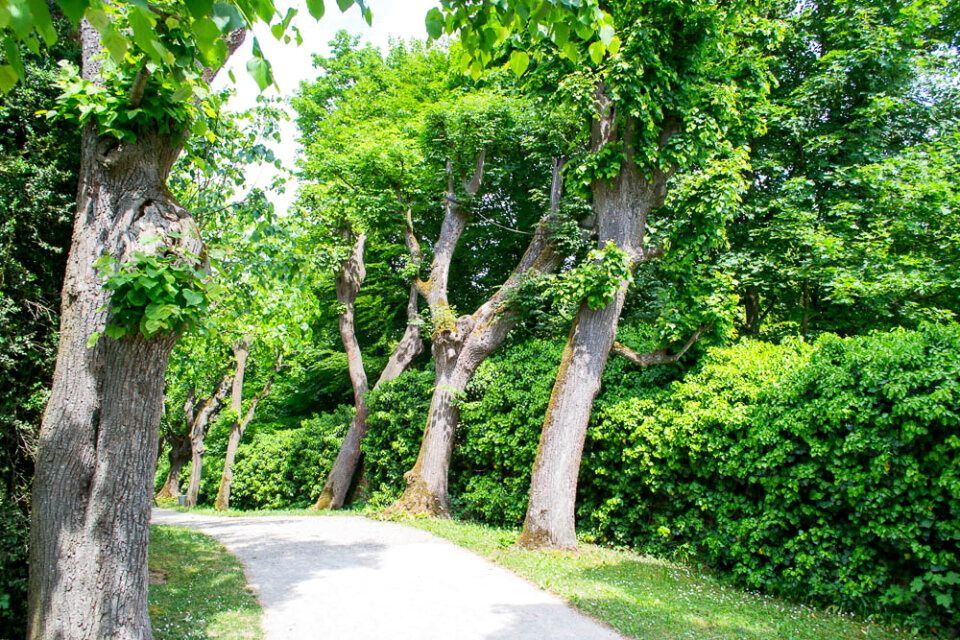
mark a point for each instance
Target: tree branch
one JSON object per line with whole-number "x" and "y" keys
{"x": 660, "y": 356}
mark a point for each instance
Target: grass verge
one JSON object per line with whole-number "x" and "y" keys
{"x": 197, "y": 589}
{"x": 649, "y": 598}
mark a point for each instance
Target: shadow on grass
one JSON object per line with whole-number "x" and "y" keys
{"x": 197, "y": 589}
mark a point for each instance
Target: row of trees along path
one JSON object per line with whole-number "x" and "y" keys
{"x": 663, "y": 87}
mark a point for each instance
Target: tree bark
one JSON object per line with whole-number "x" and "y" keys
{"x": 337, "y": 487}
{"x": 751, "y": 309}
{"x": 240, "y": 425}
{"x": 178, "y": 456}
{"x": 348, "y": 283}
{"x": 98, "y": 442}
{"x": 660, "y": 356}
{"x": 621, "y": 209}
{"x": 458, "y": 349}
{"x": 198, "y": 434}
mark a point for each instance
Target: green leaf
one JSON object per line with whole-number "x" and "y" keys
{"x": 73, "y": 9}
{"x": 316, "y": 8}
{"x": 519, "y": 61}
{"x": 199, "y": 8}
{"x": 208, "y": 36}
{"x": 434, "y": 23}
{"x": 193, "y": 298}
{"x": 40, "y": 14}
{"x": 12, "y": 52}
{"x": 8, "y": 78}
{"x": 596, "y": 52}
{"x": 261, "y": 72}
{"x": 943, "y": 599}
{"x": 92, "y": 340}
{"x": 606, "y": 34}
{"x": 227, "y": 17}
{"x": 115, "y": 43}
{"x": 344, "y": 4}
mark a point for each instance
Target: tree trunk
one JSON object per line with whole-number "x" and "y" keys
{"x": 179, "y": 449}
{"x": 621, "y": 210}
{"x": 751, "y": 308}
{"x": 178, "y": 456}
{"x": 349, "y": 281}
{"x": 241, "y": 352}
{"x": 458, "y": 349}
{"x": 98, "y": 442}
{"x": 198, "y": 433}
{"x": 238, "y": 428}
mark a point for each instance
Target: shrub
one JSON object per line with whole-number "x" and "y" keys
{"x": 829, "y": 473}
{"x": 287, "y": 468}
{"x": 398, "y": 412}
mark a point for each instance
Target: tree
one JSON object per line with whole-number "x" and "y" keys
{"x": 467, "y": 134}
{"x": 676, "y": 91}
{"x": 849, "y": 226}
{"x": 362, "y": 165}
{"x": 98, "y": 441}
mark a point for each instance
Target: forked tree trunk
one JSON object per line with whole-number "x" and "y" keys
{"x": 98, "y": 441}
{"x": 458, "y": 349}
{"x": 621, "y": 210}
{"x": 340, "y": 479}
{"x": 348, "y": 283}
{"x": 198, "y": 434}
{"x": 240, "y": 426}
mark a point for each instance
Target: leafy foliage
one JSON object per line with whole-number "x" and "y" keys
{"x": 287, "y": 468}
{"x": 825, "y": 472}
{"x": 154, "y": 293}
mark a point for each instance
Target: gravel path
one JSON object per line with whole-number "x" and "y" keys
{"x": 349, "y": 578}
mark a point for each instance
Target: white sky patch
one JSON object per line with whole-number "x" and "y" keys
{"x": 291, "y": 64}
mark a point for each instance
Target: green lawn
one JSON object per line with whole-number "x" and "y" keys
{"x": 197, "y": 589}
{"x": 652, "y": 599}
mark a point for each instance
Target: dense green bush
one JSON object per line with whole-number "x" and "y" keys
{"x": 398, "y": 412}
{"x": 829, "y": 473}
{"x": 287, "y": 468}
{"x": 501, "y": 419}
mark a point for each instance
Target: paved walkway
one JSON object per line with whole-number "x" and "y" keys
{"x": 349, "y": 578}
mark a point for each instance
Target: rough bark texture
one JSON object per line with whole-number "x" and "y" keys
{"x": 198, "y": 434}
{"x": 621, "y": 209}
{"x": 99, "y": 438}
{"x": 240, "y": 425}
{"x": 460, "y": 346}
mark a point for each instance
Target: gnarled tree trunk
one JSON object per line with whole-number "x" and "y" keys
{"x": 348, "y": 283}
{"x": 179, "y": 453}
{"x": 458, "y": 349}
{"x": 621, "y": 209}
{"x": 98, "y": 442}
{"x": 240, "y": 425}
{"x": 198, "y": 433}
{"x": 340, "y": 478}
{"x": 178, "y": 456}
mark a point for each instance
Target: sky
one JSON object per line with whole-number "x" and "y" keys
{"x": 291, "y": 64}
